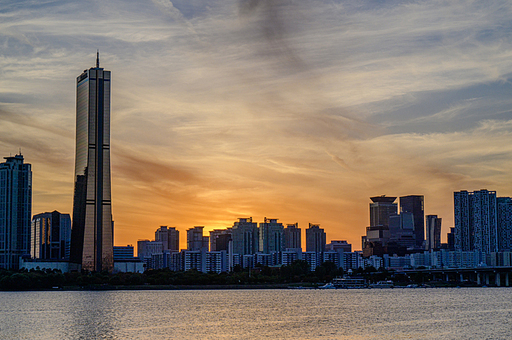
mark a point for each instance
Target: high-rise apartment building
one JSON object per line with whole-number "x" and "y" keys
{"x": 92, "y": 229}
{"x": 271, "y": 235}
{"x": 170, "y": 238}
{"x": 315, "y": 239}
{"x": 415, "y": 205}
{"x": 476, "y": 221}
{"x": 433, "y": 227}
{"x": 504, "y": 223}
{"x": 339, "y": 245}
{"x": 15, "y": 210}
{"x": 219, "y": 239}
{"x": 50, "y": 236}
{"x": 244, "y": 234}
{"x": 292, "y": 236}
{"x": 196, "y": 240}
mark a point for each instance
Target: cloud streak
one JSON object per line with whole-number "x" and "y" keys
{"x": 298, "y": 110}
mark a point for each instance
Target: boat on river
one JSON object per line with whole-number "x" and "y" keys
{"x": 382, "y": 284}
{"x": 349, "y": 283}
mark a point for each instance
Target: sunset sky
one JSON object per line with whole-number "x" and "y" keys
{"x": 292, "y": 109}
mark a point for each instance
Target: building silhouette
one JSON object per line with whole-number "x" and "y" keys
{"x": 401, "y": 230}
{"x": 170, "y": 238}
{"x": 271, "y": 235}
{"x": 196, "y": 240}
{"x": 380, "y": 209}
{"x": 292, "y": 236}
{"x": 504, "y": 223}
{"x": 245, "y": 238}
{"x": 15, "y": 210}
{"x": 219, "y": 239}
{"x": 433, "y": 227}
{"x": 415, "y": 205}
{"x": 92, "y": 229}
{"x": 315, "y": 239}
{"x": 50, "y": 236}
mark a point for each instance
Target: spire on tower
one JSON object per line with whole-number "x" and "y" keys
{"x": 97, "y": 58}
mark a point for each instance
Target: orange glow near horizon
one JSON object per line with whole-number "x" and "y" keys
{"x": 299, "y": 111}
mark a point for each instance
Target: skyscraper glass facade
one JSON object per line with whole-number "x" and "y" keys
{"x": 415, "y": 205}
{"x": 50, "y": 236}
{"x": 92, "y": 231}
{"x": 15, "y": 211}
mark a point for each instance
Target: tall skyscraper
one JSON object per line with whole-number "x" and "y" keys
{"x": 271, "y": 236}
{"x": 92, "y": 230}
{"x": 414, "y": 204}
{"x": 315, "y": 238}
{"x": 50, "y": 236}
{"x": 380, "y": 209}
{"x": 378, "y": 234}
{"x": 15, "y": 211}
{"x": 433, "y": 232}
{"x": 475, "y": 217}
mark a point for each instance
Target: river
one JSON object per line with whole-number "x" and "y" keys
{"x": 433, "y": 313}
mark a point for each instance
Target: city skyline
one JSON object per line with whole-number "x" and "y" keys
{"x": 299, "y": 111}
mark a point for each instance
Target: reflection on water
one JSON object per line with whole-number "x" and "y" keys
{"x": 473, "y": 313}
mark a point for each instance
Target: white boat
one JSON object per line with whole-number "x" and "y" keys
{"x": 327, "y": 286}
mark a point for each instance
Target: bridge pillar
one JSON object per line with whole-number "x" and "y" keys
{"x": 498, "y": 279}
{"x": 506, "y": 280}
{"x": 486, "y": 278}
{"x": 478, "y": 282}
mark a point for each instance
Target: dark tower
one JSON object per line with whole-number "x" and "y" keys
{"x": 92, "y": 230}
{"x": 414, "y": 204}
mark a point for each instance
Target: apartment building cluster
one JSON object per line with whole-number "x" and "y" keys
{"x": 246, "y": 244}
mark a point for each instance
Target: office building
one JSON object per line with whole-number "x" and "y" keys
{"x": 292, "y": 236}
{"x": 401, "y": 230}
{"x": 415, "y": 205}
{"x": 92, "y": 229}
{"x": 476, "y": 221}
{"x": 245, "y": 238}
{"x": 123, "y": 253}
{"x": 50, "y": 236}
{"x": 315, "y": 239}
{"x": 433, "y": 227}
{"x": 146, "y": 248}
{"x": 380, "y": 209}
{"x": 271, "y": 235}
{"x": 15, "y": 210}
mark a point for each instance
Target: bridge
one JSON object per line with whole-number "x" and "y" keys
{"x": 499, "y": 276}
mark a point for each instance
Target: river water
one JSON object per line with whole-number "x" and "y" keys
{"x": 435, "y": 313}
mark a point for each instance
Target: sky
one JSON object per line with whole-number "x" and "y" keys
{"x": 298, "y": 110}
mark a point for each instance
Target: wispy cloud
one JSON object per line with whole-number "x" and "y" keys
{"x": 298, "y": 110}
